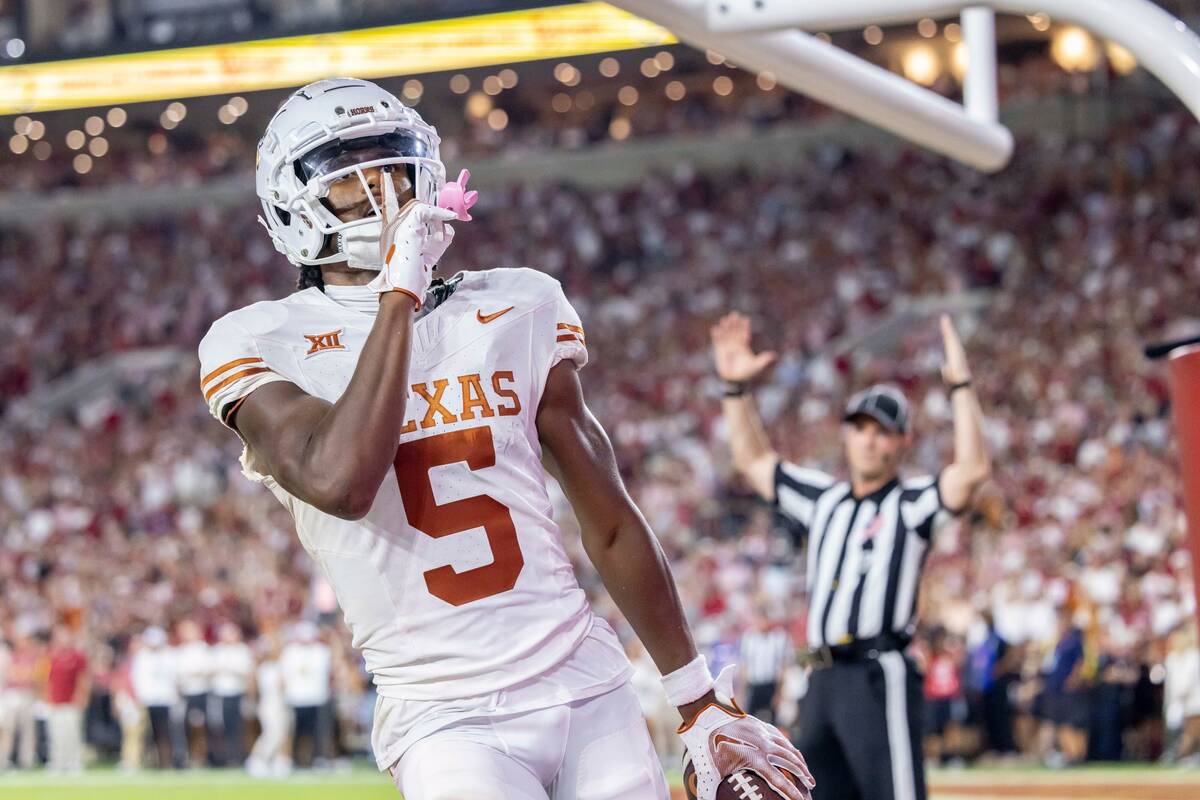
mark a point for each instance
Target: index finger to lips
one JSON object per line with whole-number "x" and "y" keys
{"x": 390, "y": 204}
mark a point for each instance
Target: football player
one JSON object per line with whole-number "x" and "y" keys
{"x": 409, "y": 429}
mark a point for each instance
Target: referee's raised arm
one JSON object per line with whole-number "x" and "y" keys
{"x": 737, "y": 365}
{"x": 971, "y": 465}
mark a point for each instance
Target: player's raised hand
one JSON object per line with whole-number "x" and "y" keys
{"x": 954, "y": 368}
{"x": 734, "y": 358}
{"x": 404, "y": 242}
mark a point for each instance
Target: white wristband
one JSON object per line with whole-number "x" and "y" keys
{"x": 688, "y": 683}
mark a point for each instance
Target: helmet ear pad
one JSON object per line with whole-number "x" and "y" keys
{"x": 295, "y": 230}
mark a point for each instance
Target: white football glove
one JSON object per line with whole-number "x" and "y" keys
{"x": 723, "y": 739}
{"x": 408, "y": 248}
{"x": 437, "y": 243}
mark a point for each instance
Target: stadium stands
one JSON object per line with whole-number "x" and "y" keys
{"x": 127, "y": 512}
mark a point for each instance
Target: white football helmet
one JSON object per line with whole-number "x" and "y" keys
{"x": 322, "y": 133}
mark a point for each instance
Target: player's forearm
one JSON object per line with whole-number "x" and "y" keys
{"x": 353, "y": 447}
{"x": 638, "y": 578}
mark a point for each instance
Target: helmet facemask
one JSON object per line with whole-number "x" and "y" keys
{"x": 403, "y": 157}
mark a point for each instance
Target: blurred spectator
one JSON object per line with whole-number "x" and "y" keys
{"x": 155, "y": 678}
{"x": 233, "y": 670}
{"x": 130, "y": 713}
{"x": 270, "y": 756}
{"x": 1182, "y": 695}
{"x": 307, "y": 665}
{"x": 102, "y": 730}
{"x": 67, "y": 684}
{"x": 18, "y": 698}
{"x": 193, "y": 658}
{"x": 764, "y": 651}
{"x": 945, "y": 704}
{"x": 1065, "y": 698}
{"x": 992, "y": 669}
{"x": 1112, "y": 702}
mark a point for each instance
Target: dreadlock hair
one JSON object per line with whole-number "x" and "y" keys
{"x": 310, "y": 275}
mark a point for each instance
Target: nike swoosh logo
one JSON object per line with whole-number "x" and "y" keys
{"x": 486, "y": 318}
{"x": 721, "y": 739}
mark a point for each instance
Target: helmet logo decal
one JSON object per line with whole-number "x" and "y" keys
{"x": 362, "y": 110}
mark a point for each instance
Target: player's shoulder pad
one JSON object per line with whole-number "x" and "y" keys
{"x": 249, "y": 322}
{"x": 519, "y": 286}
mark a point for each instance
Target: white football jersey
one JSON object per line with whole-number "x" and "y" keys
{"x": 456, "y": 583}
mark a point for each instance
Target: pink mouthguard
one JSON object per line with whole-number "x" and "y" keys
{"x": 455, "y": 197}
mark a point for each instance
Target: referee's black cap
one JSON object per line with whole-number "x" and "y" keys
{"x": 882, "y": 403}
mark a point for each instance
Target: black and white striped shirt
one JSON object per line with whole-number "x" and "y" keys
{"x": 864, "y": 553}
{"x": 764, "y": 654}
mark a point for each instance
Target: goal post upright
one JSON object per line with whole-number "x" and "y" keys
{"x": 980, "y": 90}
{"x": 842, "y": 80}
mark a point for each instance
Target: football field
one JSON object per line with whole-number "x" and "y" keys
{"x": 362, "y": 782}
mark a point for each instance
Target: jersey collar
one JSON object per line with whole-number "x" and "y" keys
{"x": 880, "y": 493}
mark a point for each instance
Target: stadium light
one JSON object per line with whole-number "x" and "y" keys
{"x": 1075, "y": 50}
{"x": 416, "y": 48}
{"x": 1123, "y": 61}
{"x": 921, "y": 65}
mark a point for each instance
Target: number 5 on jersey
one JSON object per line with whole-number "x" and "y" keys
{"x": 413, "y": 462}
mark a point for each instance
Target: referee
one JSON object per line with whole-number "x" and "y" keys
{"x": 867, "y": 539}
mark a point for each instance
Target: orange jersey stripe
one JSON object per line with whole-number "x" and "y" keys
{"x": 237, "y": 362}
{"x": 235, "y": 376}
{"x": 562, "y": 326}
{"x": 570, "y": 337}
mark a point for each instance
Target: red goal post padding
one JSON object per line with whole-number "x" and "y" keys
{"x": 1185, "y": 404}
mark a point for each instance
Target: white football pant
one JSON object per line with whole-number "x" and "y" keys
{"x": 594, "y": 749}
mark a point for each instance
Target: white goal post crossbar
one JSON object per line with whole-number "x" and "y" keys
{"x": 842, "y": 80}
{"x": 764, "y": 35}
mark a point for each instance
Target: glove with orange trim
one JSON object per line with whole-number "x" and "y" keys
{"x": 722, "y": 739}
{"x": 407, "y": 243}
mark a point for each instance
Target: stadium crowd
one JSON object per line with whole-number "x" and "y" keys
{"x": 151, "y": 591}
{"x": 689, "y": 96}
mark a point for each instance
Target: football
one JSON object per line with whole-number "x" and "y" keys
{"x": 744, "y": 785}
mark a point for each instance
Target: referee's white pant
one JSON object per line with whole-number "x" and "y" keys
{"x": 860, "y": 729}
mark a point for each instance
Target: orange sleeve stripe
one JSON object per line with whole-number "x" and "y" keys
{"x": 563, "y": 326}
{"x": 234, "y": 377}
{"x": 237, "y": 362}
{"x": 570, "y": 337}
